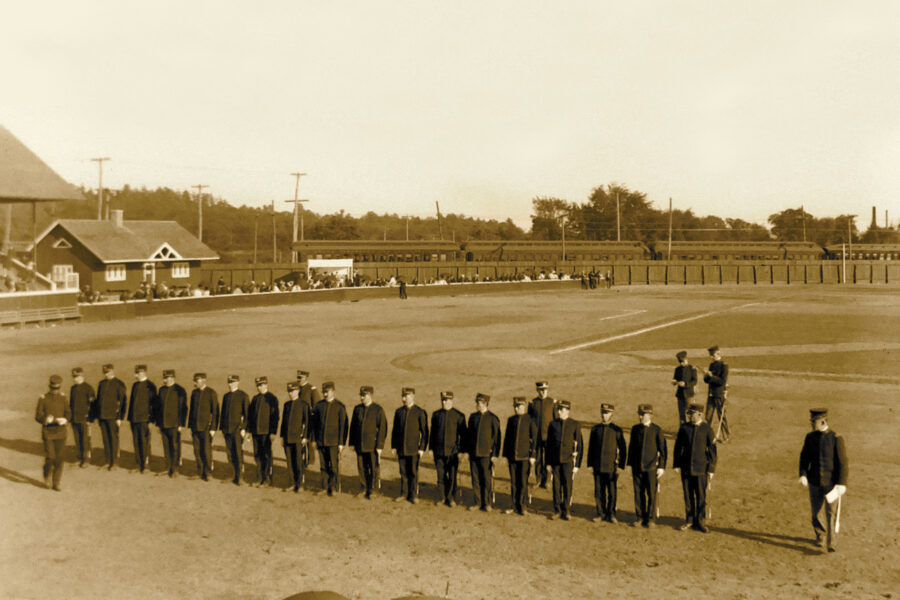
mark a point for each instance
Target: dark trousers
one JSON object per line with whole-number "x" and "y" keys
{"x": 82, "y": 434}
{"x": 202, "y": 452}
{"x": 53, "y": 460}
{"x": 171, "y": 442}
{"x": 694, "y": 487}
{"x": 367, "y": 467}
{"x": 262, "y": 452}
{"x": 715, "y": 407}
{"x": 109, "y": 431}
{"x": 293, "y": 454}
{"x": 563, "y": 478}
{"x": 140, "y": 434}
{"x": 817, "y": 502}
{"x": 519, "y": 470}
{"x": 482, "y": 480}
{"x": 540, "y": 463}
{"x": 605, "y": 487}
{"x": 234, "y": 444}
{"x": 330, "y": 467}
{"x": 644, "y": 494}
{"x": 682, "y": 408}
{"x": 409, "y": 475}
{"x": 447, "y": 468}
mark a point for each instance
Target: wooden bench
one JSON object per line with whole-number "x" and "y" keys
{"x": 39, "y": 315}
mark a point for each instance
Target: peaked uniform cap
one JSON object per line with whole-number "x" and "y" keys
{"x": 168, "y": 372}
{"x": 681, "y": 355}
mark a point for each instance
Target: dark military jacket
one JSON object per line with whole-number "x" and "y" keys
{"x": 564, "y": 442}
{"x": 310, "y": 395}
{"x": 483, "y": 432}
{"x": 448, "y": 432}
{"x": 409, "y": 434}
{"x": 368, "y": 428}
{"x": 606, "y": 448}
{"x": 717, "y": 379}
{"x": 823, "y": 459}
{"x": 687, "y": 374}
{"x": 171, "y": 407}
{"x": 81, "y": 402}
{"x": 234, "y": 411}
{"x": 52, "y": 404}
{"x": 543, "y": 411}
{"x": 647, "y": 448}
{"x": 330, "y": 423}
{"x": 695, "y": 449}
{"x": 204, "y": 414}
{"x": 110, "y": 399}
{"x": 294, "y": 421}
{"x": 520, "y": 440}
{"x": 143, "y": 401}
{"x": 262, "y": 417}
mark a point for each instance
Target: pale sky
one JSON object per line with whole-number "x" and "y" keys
{"x": 738, "y": 109}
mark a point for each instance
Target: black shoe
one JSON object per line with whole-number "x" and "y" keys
{"x": 830, "y": 548}
{"x": 565, "y": 517}
{"x": 330, "y": 493}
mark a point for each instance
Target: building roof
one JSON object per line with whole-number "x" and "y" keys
{"x": 26, "y": 178}
{"x": 135, "y": 241}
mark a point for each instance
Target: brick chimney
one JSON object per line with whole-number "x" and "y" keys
{"x": 118, "y": 217}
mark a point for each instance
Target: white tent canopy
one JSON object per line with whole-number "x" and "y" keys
{"x": 342, "y": 268}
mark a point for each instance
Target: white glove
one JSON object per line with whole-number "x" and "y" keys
{"x": 574, "y": 470}
{"x": 842, "y": 489}
{"x": 660, "y": 472}
{"x": 61, "y": 421}
{"x": 49, "y": 419}
{"x": 804, "y": 481}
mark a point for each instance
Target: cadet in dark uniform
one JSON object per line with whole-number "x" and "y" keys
{"x": 448, "y": 435}
{"x": 409, "y": 439}
{"x": 519, "y": 447}
{"x": 141, "y": 409}
{"x": 294, "y": 432}
{"x": 606, "y": 454}
{"x": 684, "y": 380}
{"x": 309, "y": 394}
{"x": 53, "y": 413}
{"x": 202, "y": 420}
{"x": 262, "y": 423}
{"x": 647, "y": 459}
{"x": 110, "y": 410}
{"x": 717, "y": 378}
{"x": 565, "y": 450}
{"x": 171, "y": 417}
{"x": 695, "y": 457}
{"x": 330, "y": 430}
{"x": 233, "y": 424}
{"x": 368, "y": 431}
{"x": 483, "y": 448}
{"x": 542, "y": 410}
{"x": 81, "y": 405}
{"x": 824, "y": 469}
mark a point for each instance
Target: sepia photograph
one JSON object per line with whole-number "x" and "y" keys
{"x": 416, "y": 300}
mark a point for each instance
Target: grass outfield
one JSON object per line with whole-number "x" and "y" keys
{"x": 124, "y": 535}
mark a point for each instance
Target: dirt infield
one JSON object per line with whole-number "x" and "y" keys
{"x": 121, "y": 534}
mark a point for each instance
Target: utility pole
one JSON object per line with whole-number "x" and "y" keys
{"x": 669, "y": 256}
{"x": 255, "y": 235}
{"x": 407, "y": 228}
{"x": 99, "y": 162}
{"x": 274, "y": 236}
{"x": 618, "y": 221}
{"x": 803, "y": 216}
{"x": 297, "y": 210}
{"x": 564, "y": 238}
{"x": 200, "y": 209}
{"x": 440, "y": 220}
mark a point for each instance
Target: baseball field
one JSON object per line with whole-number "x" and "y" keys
{"x": 122, "y": 534}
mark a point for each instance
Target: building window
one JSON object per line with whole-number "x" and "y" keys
{"x": 60, "y": 272}
{"x": 181, "y": 269}
{"x": 115, "y": 272}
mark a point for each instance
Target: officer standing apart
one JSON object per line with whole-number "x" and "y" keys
{"x": 542, "y": 410}
{"x": 448, "y": 434}
{"x": 233, "y": 424}
{"x": 694, "y": 457}
{"x": 647, "y": 459}
{"x": 684, "y": 380}
{"x": 565, "y": 449}
{"x": 519, "y": 447}
{"x": 309, "y": 394}
{"x": 294, "y": 428}
{"x": 171, "y": 417}
{"x": 330, "y": 422}
{"x": 262, "y": 423}
{"x": 81, "y": 405}
{"x": 368, "y": 431}
{"x": 717, "y": 378}
{"x": 110, "y": 410}
{"x": 824, "y": 469}
{"x": 202, "y": 420}
{"x": 409, "y": 439}
{"x": 53, "y": 413}
{"x": 606, "y": 454}
{"x": 483, "y": 448}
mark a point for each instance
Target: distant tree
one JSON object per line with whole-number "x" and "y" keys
{"x": 547, "y": 218}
